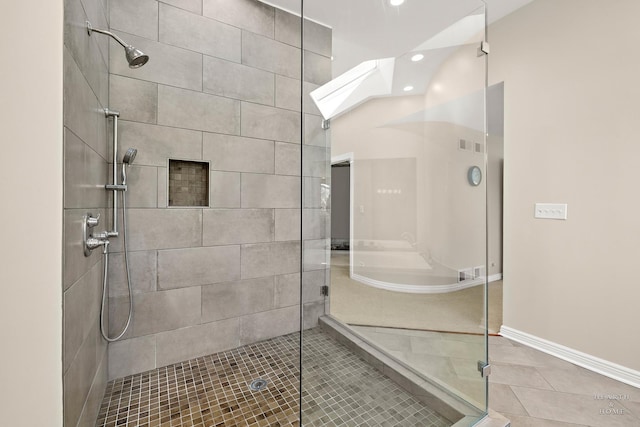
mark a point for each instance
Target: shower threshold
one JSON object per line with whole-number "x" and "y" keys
{"x": 339, "y": 389}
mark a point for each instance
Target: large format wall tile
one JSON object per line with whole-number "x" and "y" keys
{"x": 287, "y": 159}
{"x": 234, "y": 153}
{"x": 288, "y": 28}
{"x": 163, "y": 188}
{"x": 164, "y": 228}
{"x": 198, "y": 266}
{"x": 268, "y": 259}
{"x": 194, "y": 6}
{"x": 138, "y": 17}
{"x": 317, "y": 68}
{"x": 86, "y": 50}
{"x": 250, "y": 15}
{"x": 260, "y": 121}
{"x": 308, "y": 106}
{"x": 269, "y": 324}
{"x": 311, "y": 312}
{"x": 235, "y": 299}
{"x": 97, "y": 14}
{"x": 312, "y": 283}
{"x": 224, "y": 190}
{"x": 134, "y": 99}
{"x": 195, "y": 341}
{"x": 316, "y": 223}
{"x": 93, "y": 401}
{"x": 83, "y": 114}
{"x": 270, "y": 55}
{"x": 79, "y": 377}
{"x": 132, "y": 356}
{"x": 198, "y": 111}
{"x": 142, "y": 268}
{"x": 187, "y": 30}
{"x": 237, "y": 81}
{"x": 313, "y": 132}
{"x": 270, "y": 191}
{"x": 317, "y": 38}
{"x": 156, "y": 311}
{"x": 156, "y": 144}
{"x": 287, "y": 291}
{"x": 233, "y": 226}
{"x": 316, "y": 254}
{"x": 75, "y": 263}
{"x": 81, "y": 308}
{"x": 287, "y": 224}
{"x": 288, "y": 92}
{"x": 315, "y": 161}
{"x": 312, "y": 189}
{"x": 167, "y": 65}
{"x": 142, "y": 183}
{"x": 85, "y": 174}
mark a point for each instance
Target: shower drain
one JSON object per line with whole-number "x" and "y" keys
{"x": 257, "y": 385}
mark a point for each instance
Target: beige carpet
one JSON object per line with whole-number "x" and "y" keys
{"x": 462, "y": 311}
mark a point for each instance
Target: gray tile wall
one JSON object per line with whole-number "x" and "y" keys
{"x": 86, "y": 94}
{"x": 222, "y": 85}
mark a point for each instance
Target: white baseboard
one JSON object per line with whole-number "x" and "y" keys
{"x": 424, "y": 289}
{"x": 587, "y": 361}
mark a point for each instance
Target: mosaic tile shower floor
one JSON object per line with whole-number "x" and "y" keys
{"x": 340, "y": 389}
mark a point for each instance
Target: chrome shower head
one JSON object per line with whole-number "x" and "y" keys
{"x": 129, "y": 156}
{"x": 127, "y": 160}
{"x": 135, "y": 57}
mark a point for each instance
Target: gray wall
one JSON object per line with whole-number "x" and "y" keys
{"x": 222, "y": 85}
{"x": 86, "y": 93}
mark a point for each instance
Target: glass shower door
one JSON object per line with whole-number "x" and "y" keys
{"x": 394, "y": 245}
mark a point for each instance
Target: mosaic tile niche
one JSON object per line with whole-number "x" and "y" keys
{"x": 188, "y": 183}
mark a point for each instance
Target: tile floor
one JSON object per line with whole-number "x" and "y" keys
{"x": 340, "y": 390}
{"x": 535, "y": 389}
{"x": 531, "y": 388}
{"x": 449, "y": 359}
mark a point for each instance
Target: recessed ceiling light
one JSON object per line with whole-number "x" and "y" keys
{"x": 396, "y": 2}
{"x": 408, "y": 88}
{"x": 417, "y": 57}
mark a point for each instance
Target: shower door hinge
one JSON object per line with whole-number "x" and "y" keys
{"x": 484, "y": 48}
{"x": 484, "y": 369}
{"x": 326, "y": 124}
{"x": 324, "y": 290}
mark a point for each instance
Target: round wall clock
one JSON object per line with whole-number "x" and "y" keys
{"x": 474, "y": 176}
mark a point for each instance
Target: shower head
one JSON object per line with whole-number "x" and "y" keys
{"x": 129, "y": 156}
{"x": 127, "y": 159}
{"x": 135, "y": 57}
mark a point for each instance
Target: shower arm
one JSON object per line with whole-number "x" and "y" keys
{"x": 90, "y": 29}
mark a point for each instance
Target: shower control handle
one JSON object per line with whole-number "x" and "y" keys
{"x": 92, "y": 241}
{"x": 95, "y": 242}
{"x": 92, "y": 221}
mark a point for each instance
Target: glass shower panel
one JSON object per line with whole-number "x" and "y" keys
{"x": 394, "y": 195}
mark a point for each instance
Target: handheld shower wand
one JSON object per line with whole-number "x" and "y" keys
{"x": 127, "y": 160}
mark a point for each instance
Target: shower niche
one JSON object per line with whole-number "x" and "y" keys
{"x": 188, "y": 183}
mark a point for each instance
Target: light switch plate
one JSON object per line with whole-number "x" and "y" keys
{"x": 551, "y": 211}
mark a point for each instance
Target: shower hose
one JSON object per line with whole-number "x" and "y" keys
{"x": 103, "y": 327}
